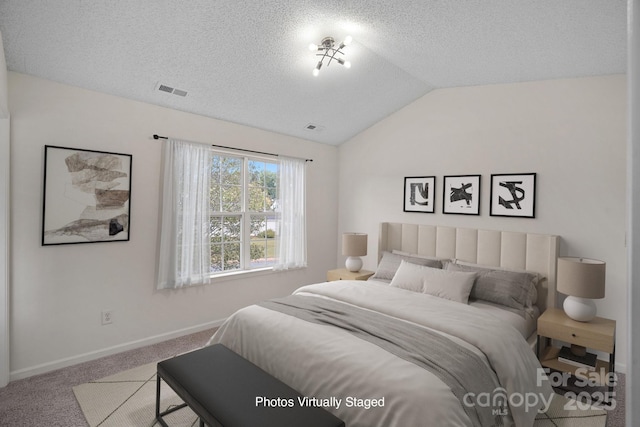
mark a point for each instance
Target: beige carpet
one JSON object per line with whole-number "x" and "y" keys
{"x": 128, "y": 399}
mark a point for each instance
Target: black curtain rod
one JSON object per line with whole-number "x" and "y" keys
{"x": 239, "y": 149}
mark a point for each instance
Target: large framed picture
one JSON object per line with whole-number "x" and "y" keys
{"x": 87, "y": 196}
{"x": 419, "y": 194}
{"x": 461, "y": 194}
{"x": 513, "y": 195}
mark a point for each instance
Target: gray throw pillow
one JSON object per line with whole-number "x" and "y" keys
{"x": 509, "y": 288}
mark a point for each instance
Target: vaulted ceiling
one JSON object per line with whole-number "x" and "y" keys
{"x": 248, "y": 61}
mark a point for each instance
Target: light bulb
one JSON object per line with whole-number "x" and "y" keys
{"x": 347, "y": 40}
{"x": 316, "y": 72}
{"x": 347, "y": 64}
{"x": 313, "y": 47}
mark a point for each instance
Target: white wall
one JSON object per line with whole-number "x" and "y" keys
{"x": 58, "y": 292}
{"x": 570, "y": 132}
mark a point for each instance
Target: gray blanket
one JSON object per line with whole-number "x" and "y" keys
{"x": 460, "y": 369}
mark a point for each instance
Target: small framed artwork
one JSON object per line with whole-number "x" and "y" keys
{"x": 87, "y": 196}
{"x": 419, "y": 194}
{"x": 461, "y": 195}
{"x": 513, "y": 195}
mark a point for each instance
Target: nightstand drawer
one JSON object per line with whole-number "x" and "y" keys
{"x": 577, "y": 336}
{"x": 599, "y": 334}
{"x": 344, "y": 274}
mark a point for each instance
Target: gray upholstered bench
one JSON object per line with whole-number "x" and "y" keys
{"x": 221, "y": 387}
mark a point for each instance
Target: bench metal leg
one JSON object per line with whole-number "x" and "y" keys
{"x": 159, "y": 414}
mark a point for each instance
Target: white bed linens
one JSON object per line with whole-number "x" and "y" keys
{"x": 326, "y": 362}
{"x": 525, "y": 325}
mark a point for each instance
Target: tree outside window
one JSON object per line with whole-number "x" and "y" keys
{"x": 243, "y": 224}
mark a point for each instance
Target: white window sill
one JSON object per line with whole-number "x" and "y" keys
{"x": 236, "y": 275}
{"x": 245, "y": 274}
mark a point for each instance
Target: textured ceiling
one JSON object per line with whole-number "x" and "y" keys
{"x": 248, "y": 61}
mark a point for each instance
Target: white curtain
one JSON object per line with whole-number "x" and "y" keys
{"x": 292, "y": 250}
{"x": 185, "y": 254}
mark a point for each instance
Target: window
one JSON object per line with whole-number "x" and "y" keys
{"x": 244, "y": 221}
{"x": 228, "y": 213}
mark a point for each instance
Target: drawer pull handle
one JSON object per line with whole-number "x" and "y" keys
{"x": 573, "y": 335}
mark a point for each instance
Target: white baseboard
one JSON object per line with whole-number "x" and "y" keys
{"x": 85, "y": 357}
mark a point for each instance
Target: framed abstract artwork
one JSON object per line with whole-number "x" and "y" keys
{"x": 461, "y": 194}
{"x": 87, "y": 196}
{"x": 513, "y": 195}
{"x": 419, "y": 194}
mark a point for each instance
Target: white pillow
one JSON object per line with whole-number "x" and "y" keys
{"x": 409, "y": 276}
{"x": 451, "y": 285}
{"x": 390, "y": 263}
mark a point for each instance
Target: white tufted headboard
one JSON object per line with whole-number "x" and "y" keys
{"x": 507, "y": 249}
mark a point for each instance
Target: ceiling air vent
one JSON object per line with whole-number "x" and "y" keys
{"x": 169, "y": 89}
{"x": 314, "y": 127}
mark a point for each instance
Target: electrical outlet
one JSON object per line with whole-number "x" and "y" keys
{"x": 107, "y": 317}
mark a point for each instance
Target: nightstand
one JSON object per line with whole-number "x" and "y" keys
{"x": 344, "y": 274}
{"x": 598, "y": 334}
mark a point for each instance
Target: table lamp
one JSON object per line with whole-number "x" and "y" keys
{"x": 354, "y": 245}
{"x": 582, "y": 280}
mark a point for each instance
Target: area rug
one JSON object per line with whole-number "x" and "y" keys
{"x": 129, "y": 399}
{"x": 565, "y": 412}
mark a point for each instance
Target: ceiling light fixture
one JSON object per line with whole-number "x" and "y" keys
{"x": 327, "y": 50}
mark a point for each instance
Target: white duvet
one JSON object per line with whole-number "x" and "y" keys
{"x": 348, "y": 376}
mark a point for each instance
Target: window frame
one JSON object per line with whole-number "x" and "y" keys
{"x": 246, "y": 215}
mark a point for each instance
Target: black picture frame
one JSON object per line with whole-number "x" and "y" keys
{"x": 419, "y": 194}
{"x": 513, "y": 195}
{"x": 461, "y": 194}
{"x": 86, "y": 196}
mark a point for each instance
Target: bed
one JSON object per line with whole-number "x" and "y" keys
{"x": 402, "y": 350}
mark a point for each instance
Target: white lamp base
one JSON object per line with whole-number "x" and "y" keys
{"x": 580, "y": 309}
{"x": 353, "y": 264}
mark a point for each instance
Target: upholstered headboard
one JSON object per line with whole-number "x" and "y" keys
{"x": 506, "y": 249}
